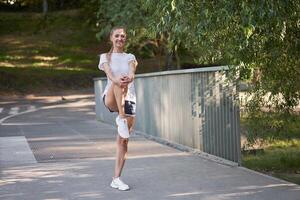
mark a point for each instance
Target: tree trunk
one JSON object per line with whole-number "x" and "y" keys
{"x": 177, "y": 59}
{"x": 45, "y": 7}
{"x": 169, "y": 58}
{"x": 62, "y": 4}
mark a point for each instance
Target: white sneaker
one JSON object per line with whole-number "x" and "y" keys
{"x": 122, "y": 127}
{"x": 119, "y": 184}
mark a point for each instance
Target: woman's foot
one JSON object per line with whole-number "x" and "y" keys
{"x": 117, "y": 183}
{"x": 122, "y": 127}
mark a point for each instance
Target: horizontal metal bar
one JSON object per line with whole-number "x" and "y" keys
{"x": 172, "y": 72}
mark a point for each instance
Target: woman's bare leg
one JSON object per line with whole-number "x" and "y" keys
{"x": 115, "y": 100}
{"x": 110, "y": 99}
{"x": 120, "y": 155}
{"x": 130, "y": 121}
{"x": 122, "y": 147}
{"x": 120, "y": 94}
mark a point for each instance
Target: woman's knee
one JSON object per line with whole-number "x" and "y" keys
{"x": 123, "y": 141}
{"x": 130, "y": 121}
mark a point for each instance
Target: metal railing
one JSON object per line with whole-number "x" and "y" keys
{"x": 197, "y": 108}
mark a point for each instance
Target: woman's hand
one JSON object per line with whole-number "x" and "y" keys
{"x": 122, "y": 81}
{"x": 128, "y": 78}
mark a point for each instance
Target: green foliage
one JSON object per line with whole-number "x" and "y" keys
{"x": 129, "y": 14}
{"x": 36, "y": 5}
{"x": 266, "y": 127}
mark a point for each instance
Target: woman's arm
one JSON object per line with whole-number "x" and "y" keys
{"x": 109, "y": 73}
{"x": 132, "y": 69}
{"x": 117, "y": 80}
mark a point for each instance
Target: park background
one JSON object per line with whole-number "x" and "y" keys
{"x": 54, "y": 45}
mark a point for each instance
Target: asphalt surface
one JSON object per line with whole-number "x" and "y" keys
{"x": 55, "y": 149}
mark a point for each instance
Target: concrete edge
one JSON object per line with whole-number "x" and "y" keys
{"x": 17, "y": 114}
{"x": 268, "y": 176}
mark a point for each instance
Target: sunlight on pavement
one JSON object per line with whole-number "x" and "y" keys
{"x": 185, "y": 194}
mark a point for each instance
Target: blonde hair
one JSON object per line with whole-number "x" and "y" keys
{"x": 108, "y": 55}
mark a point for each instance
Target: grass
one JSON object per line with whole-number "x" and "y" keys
{"x": 58, "y": 53}
{"x": 280, "y": 136}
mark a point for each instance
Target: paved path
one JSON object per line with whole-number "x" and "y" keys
{"x": 59, "y": 151}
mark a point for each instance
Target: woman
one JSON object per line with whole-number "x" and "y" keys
{"x": 119, "y": 95}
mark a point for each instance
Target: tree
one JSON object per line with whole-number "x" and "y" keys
{"x": 45, "y": 7}
{"x": 246, "y": 35}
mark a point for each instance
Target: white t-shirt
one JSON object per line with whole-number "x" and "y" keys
{"x": 119, "y": 65}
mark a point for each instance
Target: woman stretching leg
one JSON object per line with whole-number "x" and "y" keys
{"x": 119, "y": 96}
